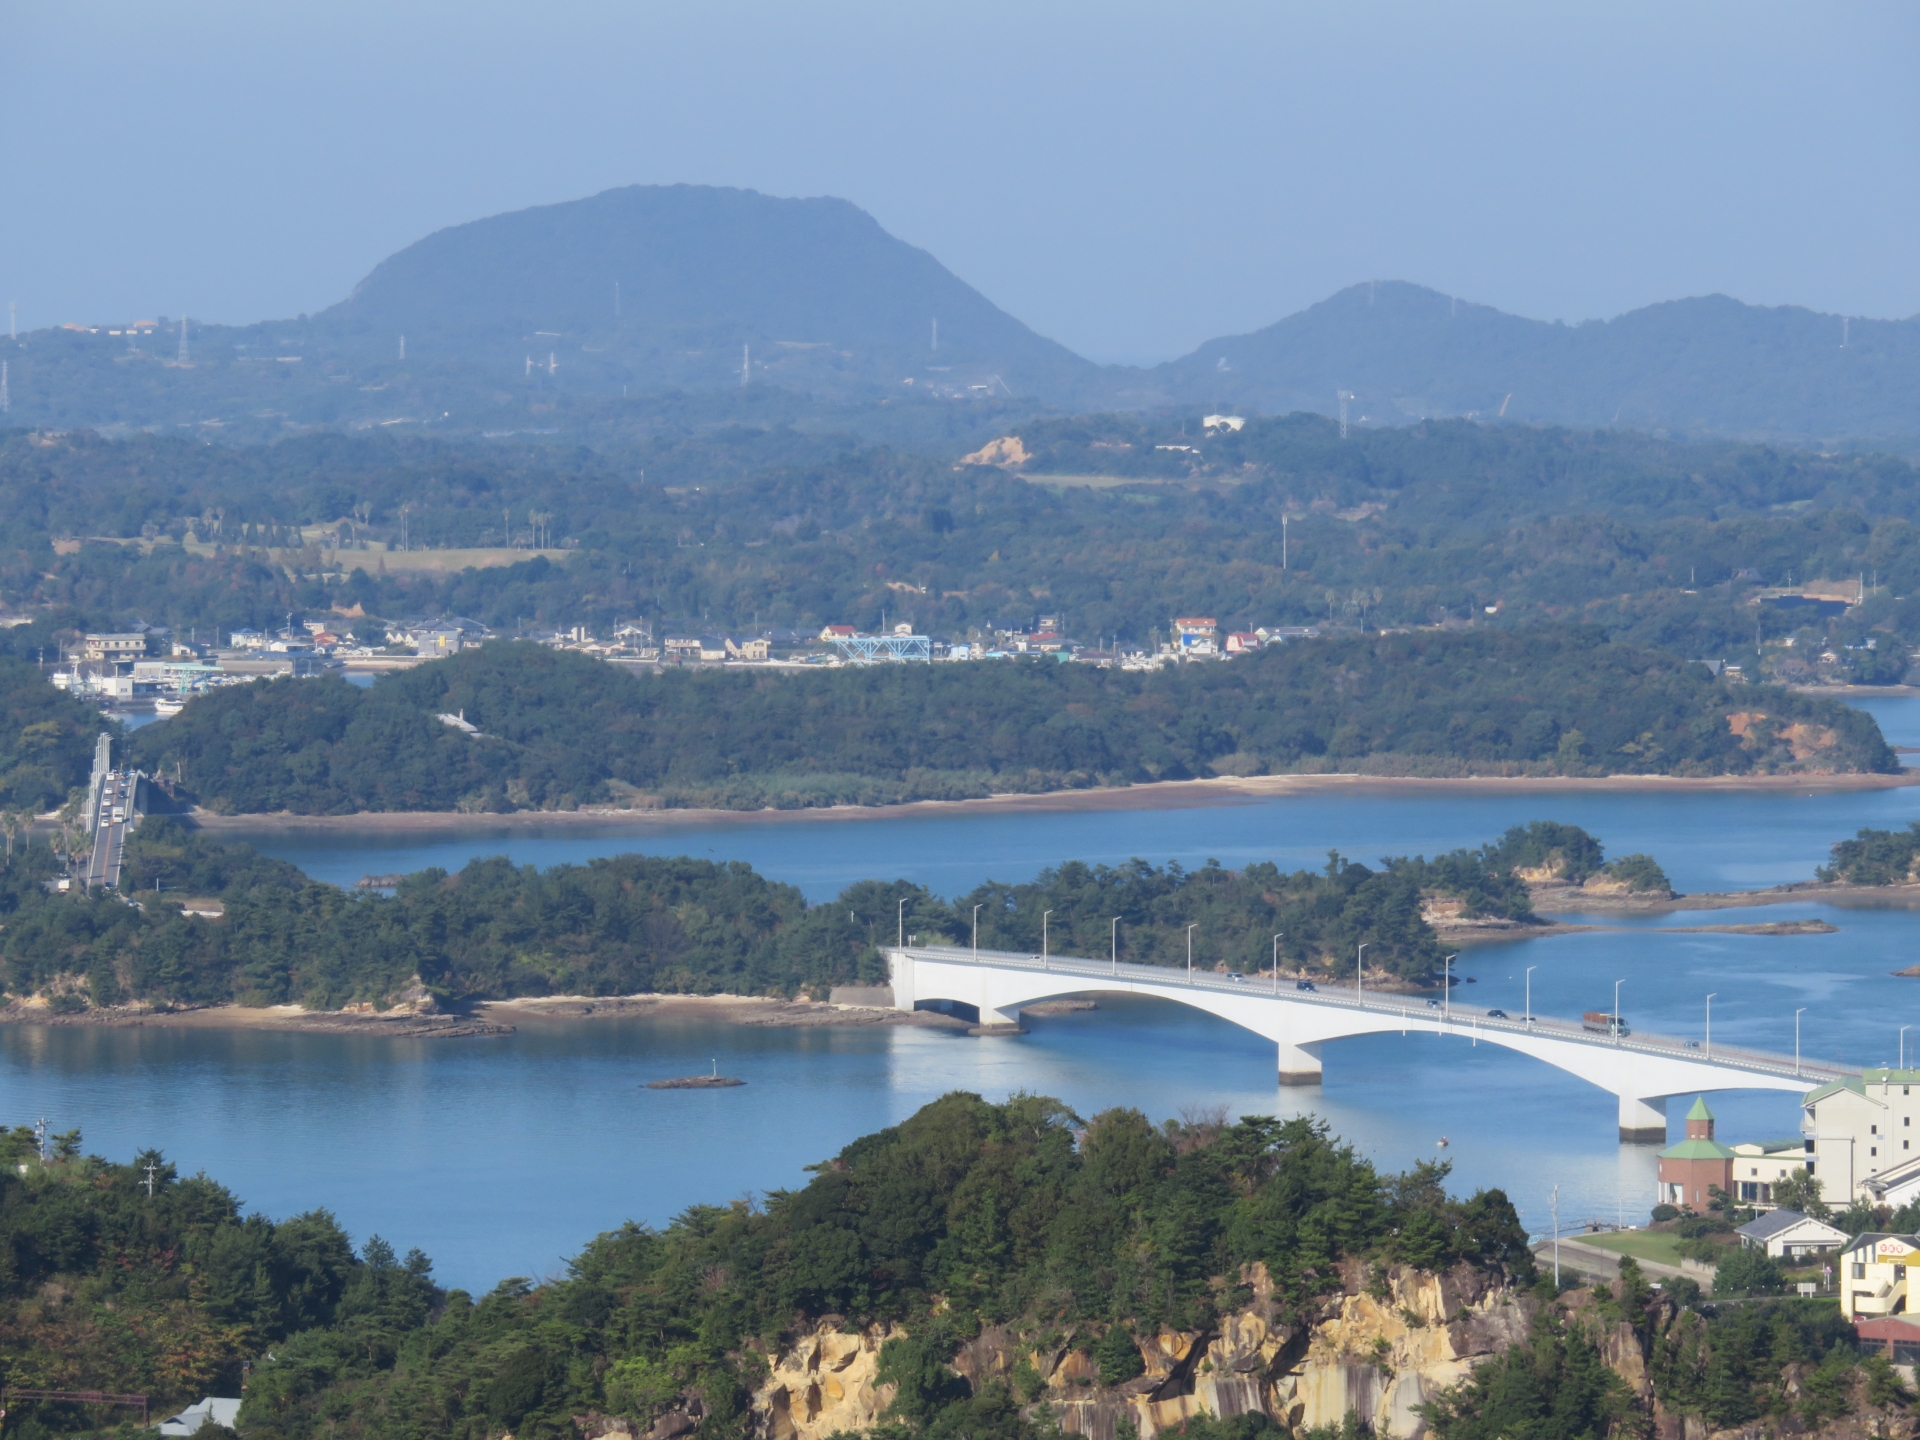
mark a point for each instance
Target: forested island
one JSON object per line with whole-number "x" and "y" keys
{"x": 560, "y": 730}
{"x": 218, "y": 923}
{"x": 978, "y": 1272}
{"x": 1875, "y": 857}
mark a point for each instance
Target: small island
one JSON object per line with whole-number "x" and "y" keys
{"x": 695, "y": 1082}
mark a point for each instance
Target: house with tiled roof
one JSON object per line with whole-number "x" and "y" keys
{"x": 1789, "y": 1235}
{"x": 1691, "y": 1170}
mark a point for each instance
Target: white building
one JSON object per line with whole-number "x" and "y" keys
{"x": 1758, "y": 1165}
{"x": 1859, "y": 1128}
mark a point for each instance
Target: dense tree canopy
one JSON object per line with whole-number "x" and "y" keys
{"x": 561, "y": 730}
{"x": 735, "y": 518}
{"x": 634, "y": 923}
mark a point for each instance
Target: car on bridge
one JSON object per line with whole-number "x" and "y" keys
{"x": 1498, "y": 1015}
{"x": 1236, "y": 977}
{"x": 1305, "y": 985}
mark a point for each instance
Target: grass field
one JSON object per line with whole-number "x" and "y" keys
{"x": 1654, "y": 1245}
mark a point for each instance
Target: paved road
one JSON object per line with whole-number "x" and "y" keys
{"x": 110, "y": 834}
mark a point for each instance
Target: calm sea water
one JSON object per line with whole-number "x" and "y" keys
{"x": 500, "y": 1157}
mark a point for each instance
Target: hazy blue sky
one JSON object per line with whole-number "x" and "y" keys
{"x": 1129, "y": 179}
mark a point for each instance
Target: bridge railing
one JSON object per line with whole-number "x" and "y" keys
{"x": 1461, "y": 1018}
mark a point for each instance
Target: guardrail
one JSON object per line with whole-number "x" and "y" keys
{"x": 1445, "y": 1014}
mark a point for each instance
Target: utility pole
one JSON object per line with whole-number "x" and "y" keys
{"x": 1556, "y": 1237}
{"x": 150, "y": 1169}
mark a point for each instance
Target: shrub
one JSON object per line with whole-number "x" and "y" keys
{"x": 1748, "y": 1272}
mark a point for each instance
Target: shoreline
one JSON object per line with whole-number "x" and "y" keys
{"x": 486, "y": 1018}
{"x": 1160, "y": 795}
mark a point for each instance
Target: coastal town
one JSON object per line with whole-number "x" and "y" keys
{"x": 152, "y": 667}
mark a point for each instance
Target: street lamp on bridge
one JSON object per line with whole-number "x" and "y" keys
{"x": 1190, "y": 930}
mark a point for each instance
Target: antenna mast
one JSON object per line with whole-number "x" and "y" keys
{"x": 1345, "y": 396}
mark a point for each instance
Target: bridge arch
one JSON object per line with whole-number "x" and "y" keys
{"x": 1643, "y": 1072}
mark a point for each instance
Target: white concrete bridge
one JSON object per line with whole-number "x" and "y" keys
{"x": 1642, "y": 1070}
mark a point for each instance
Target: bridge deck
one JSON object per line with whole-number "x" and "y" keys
{"x": 1447, "y": 1015}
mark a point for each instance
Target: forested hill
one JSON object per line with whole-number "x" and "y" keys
{"x": 977, "y": 1272}
{"x": 738, "y": 525}
{"x": 560, "y": 730}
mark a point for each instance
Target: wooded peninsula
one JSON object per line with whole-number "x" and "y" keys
{"x": 560, "y": 730}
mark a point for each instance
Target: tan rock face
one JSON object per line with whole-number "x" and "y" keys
{"x": 826, "y": 1382}
{"x": 1379, "y": 1354}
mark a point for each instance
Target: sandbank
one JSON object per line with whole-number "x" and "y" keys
{"x": 1163, "y": 795}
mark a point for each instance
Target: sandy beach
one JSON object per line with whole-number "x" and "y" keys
{"x": 1166, "y": 795}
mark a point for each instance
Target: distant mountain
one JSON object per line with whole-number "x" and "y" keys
{"x": 544, "y": 319}
{"x": 683, "y": 285}
{"x": 1701, "y": 366}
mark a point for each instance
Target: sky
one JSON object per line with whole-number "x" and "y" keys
{"x": 1129, "y": 179}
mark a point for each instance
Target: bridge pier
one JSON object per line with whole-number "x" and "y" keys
{"x": 998, "y": 1022}
{"x": 1300, "y": 1064}
{"x": 1643, "y": 1122}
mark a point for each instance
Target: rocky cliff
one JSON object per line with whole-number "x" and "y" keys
{"x": 1388, "y": 1341}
